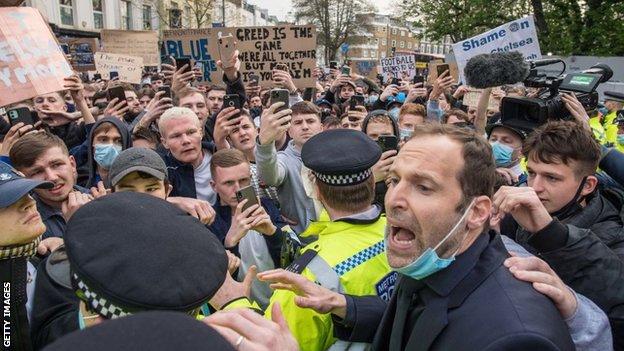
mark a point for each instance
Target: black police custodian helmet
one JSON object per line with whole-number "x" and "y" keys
{"x": 131, "y": 252}
{"x": 154, "y": 331}
{"x": 614, "y": 96}
{"x": 341, "y": 157}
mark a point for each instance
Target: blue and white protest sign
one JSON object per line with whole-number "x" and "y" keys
{"x": 519, "y": 35}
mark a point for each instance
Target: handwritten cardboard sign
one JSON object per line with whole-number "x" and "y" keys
{"x": 128, "y": 67}
{"x": 472, "y": 96}
{"x": 260, "y": 49}
{"x": 142, "y": 43}
{"x": 398, "y": 66}
{"x": 31, "y": 61}
{"x": 81, "y": 51}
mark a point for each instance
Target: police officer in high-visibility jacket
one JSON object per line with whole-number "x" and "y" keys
{"x": 614, "y": 117}
{"x": 348, "y": 255}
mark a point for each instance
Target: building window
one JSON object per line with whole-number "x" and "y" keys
{"x": 187, "y": 16}
{"x": 383, "y": 42}
{"x": 394, "y": 43}
{"x": 383, "y": 54}
{"x": 364, "y": 53}
{"x": 376, "y": 41}
{"x": 409, "y": 44}
{"x": 394, "y": 31}
{"x": 126, "y": 15}
{"x": 98, "y": 14}
{"x": 373, "y": 54}
{"x": 147, "y": 17}
{"x": 402, "y": 44}
{"x": 67, "y": 12}
{"x": 383, "y": 29}
{"x": 409, "y": 34}
{"x": 402, "y": 33}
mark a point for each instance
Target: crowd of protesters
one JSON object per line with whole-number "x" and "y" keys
{"x": 383, "y": 214}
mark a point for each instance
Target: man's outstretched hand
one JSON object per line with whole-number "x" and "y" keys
{"x": 309, "y": 294}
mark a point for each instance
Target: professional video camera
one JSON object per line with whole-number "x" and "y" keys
{"x": 535, "y": 111}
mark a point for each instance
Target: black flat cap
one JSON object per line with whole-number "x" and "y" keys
{"x": 614, "y": 96}
{"x": 131, "y": 252}
{"x": 341, "y": 157}
{"x": 153, "y": 331}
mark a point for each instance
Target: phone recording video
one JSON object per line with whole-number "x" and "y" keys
{"x": 167, "y": 90}
{"x": 116, "y": 92}
{"x": 280, "y": 95}
{"x": 388, "y": 142}
{"x": 247, "y": 193}
{"x": 442, "y": 68}
{"x": 184, "y": 61}
{"x": 232, "y": 100}
{"x": 22, "y": 114}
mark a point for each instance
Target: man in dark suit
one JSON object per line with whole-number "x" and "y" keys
{"x": 453, "y": 292}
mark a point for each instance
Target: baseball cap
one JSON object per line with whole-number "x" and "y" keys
{"x": 13, "y": 185}
{"x": 137, "y": 159}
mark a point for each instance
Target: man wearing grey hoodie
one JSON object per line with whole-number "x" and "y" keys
{"x": 283, "y": 169}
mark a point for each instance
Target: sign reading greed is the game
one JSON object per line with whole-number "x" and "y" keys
{"x": 260, "y": 49}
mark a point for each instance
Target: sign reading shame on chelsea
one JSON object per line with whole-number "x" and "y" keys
{"x": 260, "y": 49}
{"x": 519, "y": 35}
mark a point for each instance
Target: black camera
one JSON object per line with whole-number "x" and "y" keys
{"x": 531, "y": 112}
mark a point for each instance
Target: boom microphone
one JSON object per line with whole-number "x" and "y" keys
{"x": 492, "y": 70}
{"x": 544, "y": 62}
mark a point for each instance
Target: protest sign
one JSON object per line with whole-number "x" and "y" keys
{"x": 128, "y": 67}
{"x": 81, "y": 51}
{"x": 433, "y": 71}
{"x": 31, "y": 61}
{"x": 142, "y": 43}
{"x": 472, "y": 96}
{"x": 519, "y": 35}
{"x": 260, "y": 49}
{"x": 401, "y": 66}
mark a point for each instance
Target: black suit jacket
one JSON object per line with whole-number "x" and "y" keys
{"x": 476, "y": 304}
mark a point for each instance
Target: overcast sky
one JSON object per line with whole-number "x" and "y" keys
{"x": 280, "y": 8}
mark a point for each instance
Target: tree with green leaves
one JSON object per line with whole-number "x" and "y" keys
{"x": 565, "y": 27}
{"x": 335, "y": 20}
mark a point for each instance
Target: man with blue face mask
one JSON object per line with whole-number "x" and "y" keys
{"x": 109, "y": 136}
{"x": 506, "y": 141}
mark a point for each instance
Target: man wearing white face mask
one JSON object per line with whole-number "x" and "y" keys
{"x": 506, "y": 141}
{"x": 109, "y": 136}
